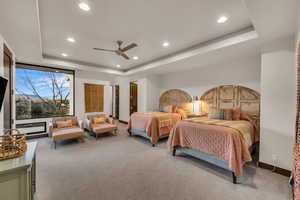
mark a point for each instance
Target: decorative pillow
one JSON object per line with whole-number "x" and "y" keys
{"x": 245, "y": 116}
{"x": 64, "y": 124}
{"x": 236, "y": 114}
{"x": 182, "y": 113}
{"x": 167, "y": 109}
{"x": 215, "y": 113}
{"x": 73, "y": 119}
{"x": 174, "y": 109}
{"x": 99, "y": 120}
{"x": 227, "y": 114}
{"x": 187, "y": 107}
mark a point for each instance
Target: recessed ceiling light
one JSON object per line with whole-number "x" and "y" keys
{"x": 64, "y": 54}
{"x": 84, "y": 6}
{"x": 166, "y": 44}
{"x": 135, "y": 58}
{"x": 70, "y": 39}
{"x": 118, "y": 66}
{"x": 222, "y": 19}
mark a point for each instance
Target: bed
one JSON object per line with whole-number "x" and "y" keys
{"x": 155, "y": 125}
{"x": 225, "y": 143}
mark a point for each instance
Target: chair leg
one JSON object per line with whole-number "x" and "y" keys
{"x": 54, "y": 144}
{"x": 81, "y": 138}
{"x": 174, "y": 151}
{"x": 233, "y": 178}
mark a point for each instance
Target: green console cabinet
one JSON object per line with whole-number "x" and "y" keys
{"x": 17, "y": 176}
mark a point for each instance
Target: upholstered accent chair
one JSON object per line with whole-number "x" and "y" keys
{"x": 99, "y": 124}
{"x": 64, "y": 128}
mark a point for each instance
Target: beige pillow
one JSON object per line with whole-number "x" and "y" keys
{"x": 64, "y": 124}
{"x": 99, "y": 120}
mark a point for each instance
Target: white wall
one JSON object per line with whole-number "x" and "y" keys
{"x": 148, "y": 93}
{"x": 245, "y": 72}
{"x": 278, "y": 108}
{"x": 94, "y": 78}
{"x": 153, "y": 92}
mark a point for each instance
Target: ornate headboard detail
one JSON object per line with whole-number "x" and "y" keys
{"x": 176, "y": 97}
{"x": 231, "y": 96}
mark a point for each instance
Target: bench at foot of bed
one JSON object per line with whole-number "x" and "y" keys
{"x": 206, "y": 157}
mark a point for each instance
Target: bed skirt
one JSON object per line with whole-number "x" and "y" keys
{"x": 206, "y": 157}
{"x": 144, "y": 134}
{"x": 213, "y": 159}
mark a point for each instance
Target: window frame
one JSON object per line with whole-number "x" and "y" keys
{"x": 73, "y": 72}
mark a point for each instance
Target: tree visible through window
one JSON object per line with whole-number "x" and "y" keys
{"x": 43, "y": 92}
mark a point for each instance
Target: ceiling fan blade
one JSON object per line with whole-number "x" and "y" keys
{"x": 104, "y": 50}
{"x": 129, "y": 47}
{"x": 124, "y": 55}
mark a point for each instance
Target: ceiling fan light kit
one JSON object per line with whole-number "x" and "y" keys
{"x": 120, "y": 51}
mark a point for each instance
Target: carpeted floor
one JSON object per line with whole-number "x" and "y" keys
{"x": 123, "y": 167}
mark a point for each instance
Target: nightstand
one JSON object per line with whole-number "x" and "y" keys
{"x": 195, "y": 115}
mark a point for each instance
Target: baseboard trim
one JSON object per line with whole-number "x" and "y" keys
{"x": 277, "y": 170}
{"x": 123, "y": 122}
{"x": 35, "y": 136}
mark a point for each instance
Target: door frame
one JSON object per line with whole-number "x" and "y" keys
{"x": 130, "y": 102}
{"x": 8, "y": 53}
{"x": 117, "y": 102}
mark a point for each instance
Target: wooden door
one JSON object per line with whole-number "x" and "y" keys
{"x": 133, "y": 98}
{"x": 7, "y": 103}
{"x": 94, "y": 97}
{"x": 117, "y": 101}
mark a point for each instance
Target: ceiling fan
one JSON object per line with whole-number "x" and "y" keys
{"x": 120, "y": 51}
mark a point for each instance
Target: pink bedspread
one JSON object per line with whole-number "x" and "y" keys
{"x": 149, "y": 123}
{"x": 223, "y": 142}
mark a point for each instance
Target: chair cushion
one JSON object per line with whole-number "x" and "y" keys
{"x": 58, "y": 119}
{"x": 64, "y": 124}
{"x": 99, "y": 120}
{"x": 67, "y": 133}
{"x": 103, "y": 128}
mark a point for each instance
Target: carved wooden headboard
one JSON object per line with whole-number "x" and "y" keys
{"x": 176, "y": 97}
{"x": 231, "y": 96}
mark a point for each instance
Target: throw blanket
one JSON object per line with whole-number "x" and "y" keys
{"x": 223, "y": 139}
{"x": 242, "y": 126}
{"x": 155, "y": 124}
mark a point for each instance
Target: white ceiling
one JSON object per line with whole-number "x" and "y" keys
{"x": 37, "y": 31}
{"x": 148, "y": 23}
{"x": 19, "y": 24}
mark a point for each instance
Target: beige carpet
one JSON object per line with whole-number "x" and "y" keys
{"x": 123, "y": 167}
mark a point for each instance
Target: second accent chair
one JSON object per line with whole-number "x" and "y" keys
{"x": 100, "y": 124}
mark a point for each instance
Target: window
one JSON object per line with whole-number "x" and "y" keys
{"x": 43, "y": 92}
